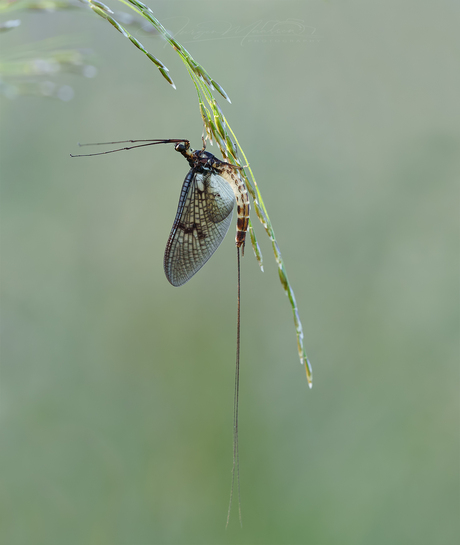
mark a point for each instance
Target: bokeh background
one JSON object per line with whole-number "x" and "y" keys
{"x": 117, "y": 388}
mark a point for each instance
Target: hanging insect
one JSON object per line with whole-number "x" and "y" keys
{"x": 203, "y": 218}
{"x": 204, "y": 212}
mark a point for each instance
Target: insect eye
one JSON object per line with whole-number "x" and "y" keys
{"x": 180, "y": 147}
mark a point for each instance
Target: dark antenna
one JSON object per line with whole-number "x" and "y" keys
{"x": 151, "y": 142}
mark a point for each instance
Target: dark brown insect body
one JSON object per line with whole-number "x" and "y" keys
{"x": 200, "y": 159}
{"x": 204, "y": 213}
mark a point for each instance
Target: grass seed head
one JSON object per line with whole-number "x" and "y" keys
{"x": 101, "y": 6}
{"x": 164, "y": 73}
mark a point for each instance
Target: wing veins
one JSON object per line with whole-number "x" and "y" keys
{"x": 202, "y": 220}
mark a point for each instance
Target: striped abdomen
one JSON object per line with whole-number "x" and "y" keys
{"x": 232, "y": 176}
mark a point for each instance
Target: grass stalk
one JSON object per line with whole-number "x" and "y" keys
{"x": 216, "y": 128}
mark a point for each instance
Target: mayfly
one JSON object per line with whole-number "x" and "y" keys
{"x": 203, "y": 218}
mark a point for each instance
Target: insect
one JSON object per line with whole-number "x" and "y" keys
{"x": 204, "y": 213}
{"x": 203, "y": 218}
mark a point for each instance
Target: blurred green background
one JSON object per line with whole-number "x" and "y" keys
{"x": 117, "y": 388}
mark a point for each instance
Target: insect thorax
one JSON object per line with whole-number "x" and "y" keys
{"x": 203, "y": 162}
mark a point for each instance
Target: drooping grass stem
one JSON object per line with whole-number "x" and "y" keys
{"x": 217, "y": 129}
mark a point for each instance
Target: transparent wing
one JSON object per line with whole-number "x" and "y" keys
{"x": 203, "y": 218}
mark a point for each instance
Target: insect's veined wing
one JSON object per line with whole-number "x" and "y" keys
{"x": 203, "y": 218}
